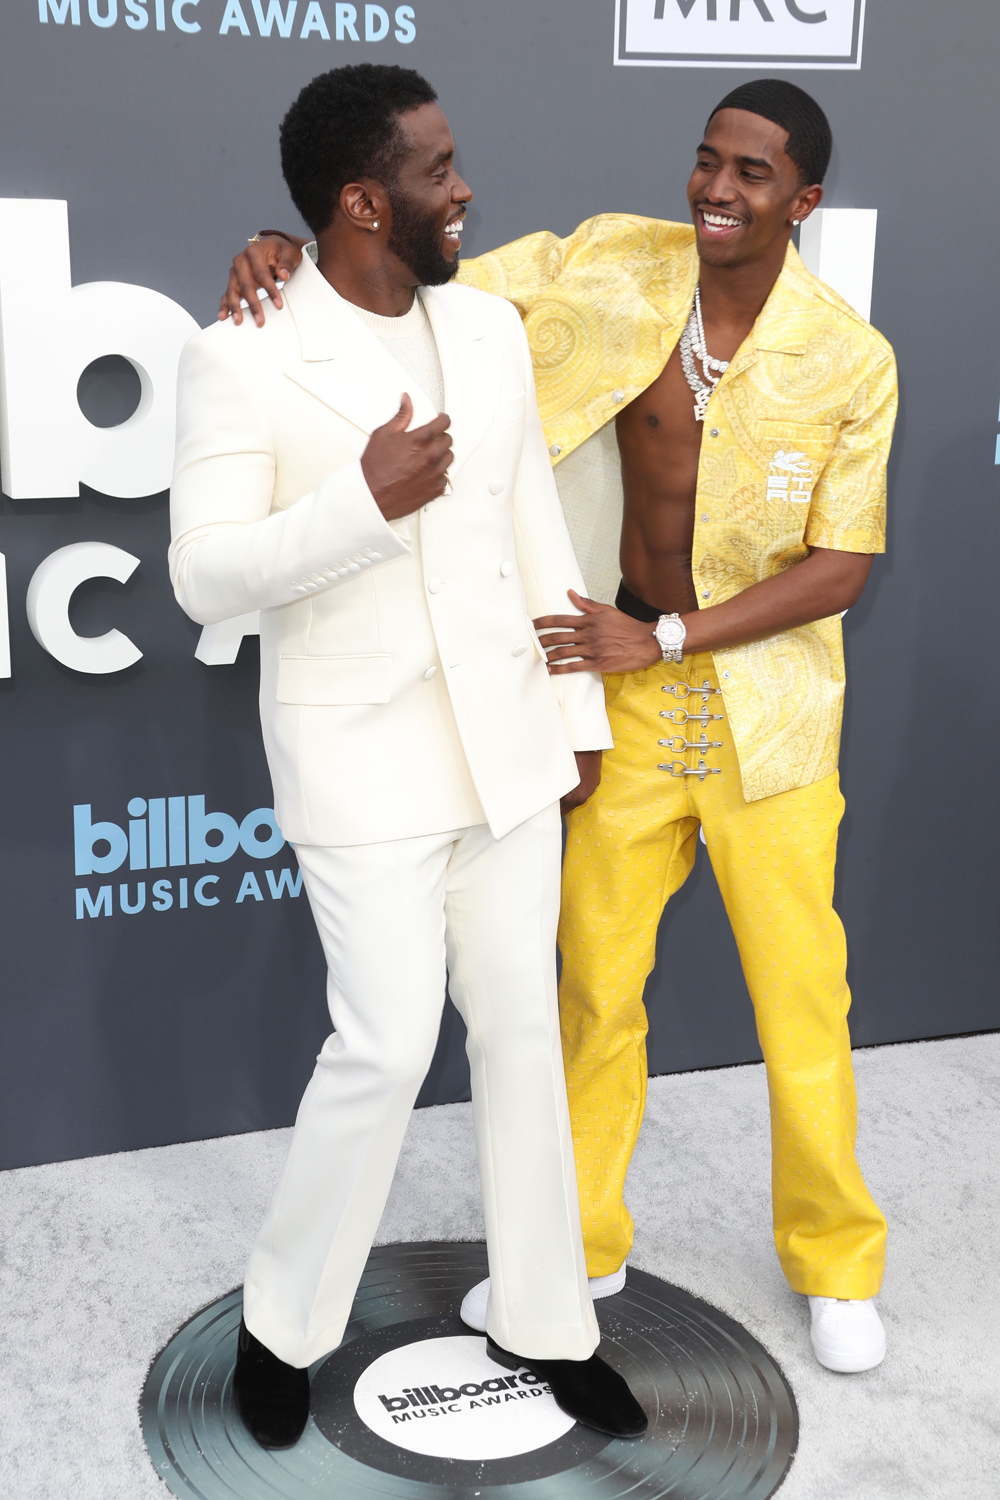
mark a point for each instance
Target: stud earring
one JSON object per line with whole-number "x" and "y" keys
{"x": 795, "y": 223}
{"x": 375, "y": 224}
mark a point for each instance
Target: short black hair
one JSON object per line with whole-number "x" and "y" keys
{"x": 345, "y": 126}
{"x": 810, "y": 141}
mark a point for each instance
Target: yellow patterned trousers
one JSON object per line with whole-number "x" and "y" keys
{"x": 628, "y": 850}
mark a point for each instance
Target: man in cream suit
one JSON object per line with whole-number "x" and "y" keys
{"x": 417, "y": 745}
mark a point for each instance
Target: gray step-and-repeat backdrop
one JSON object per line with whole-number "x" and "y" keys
{"x": 161, "y": 979}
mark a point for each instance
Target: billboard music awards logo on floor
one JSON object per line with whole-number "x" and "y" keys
{"x": 445, "y": 1398}
{"x": 323, "y": 20}
{"x": 172, "y": 833}
{"x": 739, "y": 33}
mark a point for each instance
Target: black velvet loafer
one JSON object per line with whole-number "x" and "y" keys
{"x": 271, "y": 1397}
{"x": 588, "y": 1390}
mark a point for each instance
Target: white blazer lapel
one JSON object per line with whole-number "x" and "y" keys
{"x": 343, "y": 363}
{"x": 472, "y": 366}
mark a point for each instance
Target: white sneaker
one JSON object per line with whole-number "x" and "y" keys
{"x": 473, "y": 1313}
{"x": 847, "y": 1336}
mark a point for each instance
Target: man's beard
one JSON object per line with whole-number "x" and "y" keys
{"x": 416, "y": 239}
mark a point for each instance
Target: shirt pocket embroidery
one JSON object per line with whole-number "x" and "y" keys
{"x": 794, "y": 455}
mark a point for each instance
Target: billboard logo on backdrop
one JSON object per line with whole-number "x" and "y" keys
{"x": 739, "y": 33}
{"x": 173, "y": 833}
{"x": 279, "y": 20}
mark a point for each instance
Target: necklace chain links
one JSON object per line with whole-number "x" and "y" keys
{"x": 694, "y": 352}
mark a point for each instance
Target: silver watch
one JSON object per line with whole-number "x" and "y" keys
{"x": 671, "y": 633}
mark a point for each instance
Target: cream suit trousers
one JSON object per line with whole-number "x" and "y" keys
{"x": 390, "y": 916}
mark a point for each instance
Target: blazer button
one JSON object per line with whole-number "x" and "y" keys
{"x": 496, "y": 486}
{"x": 506, "y": 568}
{"x": 555, "y": 449}
{"x": 431, "y": 672}
{"x": 434, "y": 585}
{"x": 519, "y": 650}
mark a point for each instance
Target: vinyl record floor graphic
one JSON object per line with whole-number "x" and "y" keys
{"x": 410, "y": 1407}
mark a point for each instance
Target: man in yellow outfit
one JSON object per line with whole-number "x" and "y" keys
{"x": 720, "y": 423}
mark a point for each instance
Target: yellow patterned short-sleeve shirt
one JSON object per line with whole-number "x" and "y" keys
{"x": 797, "y": 437}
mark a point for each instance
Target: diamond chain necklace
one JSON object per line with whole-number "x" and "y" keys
{"x": 693, "y": 347}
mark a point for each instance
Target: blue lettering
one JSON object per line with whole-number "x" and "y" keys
{"x": 199, "y": 891}
{"x": 101, "y": 906}
{"x": 200, "y": 825}
{"x": 136, "y": 835}
{"x": 137, "y": 18}
{"x": 405, "y": 29}
{"x": 97, "y": 18}
{"x": 284, "y": 882}
{"x": 249, "y": 887}
{"x": 263, "y": 817}
{"x": 162, "y": 899}
{"x": 176, "y": 826}
{"x": 140, "y": 900}
{"x": 157, "y": 833}
{"x": 182, "y": 897}
{"x": 86, "y": 834}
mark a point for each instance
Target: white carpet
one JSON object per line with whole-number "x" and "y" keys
{"x": 103, "y": 1259}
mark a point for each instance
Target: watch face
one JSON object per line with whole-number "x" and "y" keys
{"x": 670, "y": 633}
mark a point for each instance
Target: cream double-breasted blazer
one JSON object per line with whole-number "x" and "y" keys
{"x": 402, "y": 685}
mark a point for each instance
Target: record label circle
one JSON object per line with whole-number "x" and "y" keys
{"x": 723, "y": 1421}
{"x": 445, "y": 1398}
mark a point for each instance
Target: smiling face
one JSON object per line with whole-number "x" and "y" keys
{"x": 428, "y": 199}
{"x": 745, "y": 190}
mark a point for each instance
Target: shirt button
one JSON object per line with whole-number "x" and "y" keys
{"x": 431, "y": 672}
{"x": 506, "y": 568}
{"x": 706, "y": 593}
{"x": 496, "y": 486}
{"x": 705, "y": 516}
{"x": 434, "y": 585}
{"x": 714, "y": 432}
{"x": 727, "y": 674}
{"x": 519, "y": 650}
{"x": 555, "y": 449}
{"x": 617, "y": 397}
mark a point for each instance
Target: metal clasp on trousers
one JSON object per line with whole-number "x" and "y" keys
{"x": 678, "y": 744}
{"x": 682, "y": 690}
{"x": 681, "y": 716}
{"x": 678, "y": 768}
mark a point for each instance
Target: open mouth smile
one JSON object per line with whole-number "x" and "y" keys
{"x": 716, "y": 225}
{"x": 453, "y": 231}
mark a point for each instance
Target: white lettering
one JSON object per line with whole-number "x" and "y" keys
{"x": 60, "y": 9}
{"x": 177, "y": 16}
{"x": 52, "y": 331}
{"x": 97, "y": 18}
{"x": 275, "y": 16}
{"x": 53, "y": 585}
{"x": 345, "y": 18}
{"x": 219, "y": 645}
{"x": 233, "y": 16}
{"x": 373, "y": 14}
{"x": 314, "y": 21}
{"x": 405, "y": 29}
